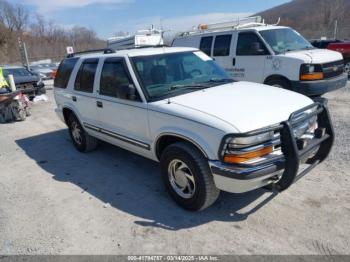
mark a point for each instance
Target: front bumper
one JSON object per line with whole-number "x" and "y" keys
{"x": 317, "y": 88}
{"x": 284, "y": 168}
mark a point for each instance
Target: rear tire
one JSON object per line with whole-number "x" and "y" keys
{"x": 82, "y": 141}
{"x": 187, "y": 177}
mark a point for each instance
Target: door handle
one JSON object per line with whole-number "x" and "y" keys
{"x": 234, "y": 61}
{"x": 99, "y": 104}
{"x": 74, "y": 98}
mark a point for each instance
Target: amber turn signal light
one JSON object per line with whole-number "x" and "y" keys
{"x": 311, "y": 77}
{"x": 237, "y": 159}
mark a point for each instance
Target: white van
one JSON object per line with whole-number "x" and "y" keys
{"x": 251, "y": 50}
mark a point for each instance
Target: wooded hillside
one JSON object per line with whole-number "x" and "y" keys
{"x": 44, "y": 39}
{"x": 313, "y": 18}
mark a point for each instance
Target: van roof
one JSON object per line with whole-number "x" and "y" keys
{"x": 255, "y": 28}
{"x": 139, "y": 52}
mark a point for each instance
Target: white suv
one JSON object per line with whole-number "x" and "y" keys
{"x": 178, "y": 107}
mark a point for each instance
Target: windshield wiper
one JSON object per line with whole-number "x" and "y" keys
{"x": 190, "y": 86}
{"x": 218, "y": 80}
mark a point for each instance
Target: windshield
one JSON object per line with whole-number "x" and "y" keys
{"x": 16, "y": 72}
{"x": 285, "y": 40}
{"x": 169, "y": 75}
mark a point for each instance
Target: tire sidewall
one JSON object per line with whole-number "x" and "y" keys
{"x": 279, "y": 83}
{"x": 197, "y": 200}
{"x": 80, "y": 147}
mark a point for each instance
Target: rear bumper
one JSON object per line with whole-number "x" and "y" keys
{"x": 317, "y": 88}
{"x": 285, "y": 167}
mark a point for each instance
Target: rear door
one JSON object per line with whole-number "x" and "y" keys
{"x": 83, "y": 96}
{"x": 223, "y": 53}
{"x": 250, "y": 63}
{"x": 206, "y": 44}
{"x": 122, "y": 120}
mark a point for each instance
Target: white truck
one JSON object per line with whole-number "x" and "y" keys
{"x": 176, "y": 106}
{"x": 142, "y": 38}
{"x": 251, "y": 50}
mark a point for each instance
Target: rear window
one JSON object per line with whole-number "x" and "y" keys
{"x": 84, "y": 81}
{"x": 222, "y": 45}
{"x": 64, "y": 71}
{"x": 205, "y": 45}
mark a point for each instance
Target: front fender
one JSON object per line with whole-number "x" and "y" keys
{"x": 206, "y": 141}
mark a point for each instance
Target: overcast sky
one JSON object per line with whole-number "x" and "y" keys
{"x": 109, "y": 16}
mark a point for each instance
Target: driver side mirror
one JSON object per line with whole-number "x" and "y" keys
{"x": 127, "y": 92}
{"x": 257, "y": 49}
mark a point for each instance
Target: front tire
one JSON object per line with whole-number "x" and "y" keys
{"x": 82, "y": 141}
{"x": 187, "y": 177}
{"x": 279, "y": 82}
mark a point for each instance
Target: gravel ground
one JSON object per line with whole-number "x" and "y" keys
{"x": 54, "y": 200}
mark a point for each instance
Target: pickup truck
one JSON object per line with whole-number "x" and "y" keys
{"x": 342, "y": 47}
{"x": 26, "y": 81}
{"x": 178, "y": 107}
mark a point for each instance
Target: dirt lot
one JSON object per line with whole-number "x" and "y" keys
{"x": 54, "y": 200}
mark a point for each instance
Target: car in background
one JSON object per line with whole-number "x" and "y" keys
{"x": 30, "y": 83}
{"x": 43, "y": 71}
{"x": 340, "y": 46}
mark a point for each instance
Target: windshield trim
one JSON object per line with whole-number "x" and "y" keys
{"x": 177, "y": 92}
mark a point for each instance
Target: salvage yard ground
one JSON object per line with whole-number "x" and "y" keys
{"x": 54, "y": 200}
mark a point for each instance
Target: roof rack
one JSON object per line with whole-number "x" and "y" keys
{"x": 228, "y": 25}
{"x": 103, "y": 50}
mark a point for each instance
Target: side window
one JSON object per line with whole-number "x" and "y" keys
{"x": 249, "y": 44}
{"x": 64, "y": 71}
{"x": 206, "y": 44}
{"x": 222, "y": 45}
{"x": 84, "y": 81}
{"x": 114, "y": 77}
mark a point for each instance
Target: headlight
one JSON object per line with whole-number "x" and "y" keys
{"x": 310, "y": 72}
{"x": 241, "y": 149}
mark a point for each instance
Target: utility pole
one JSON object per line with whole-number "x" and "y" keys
{"x": 335, "y": 36}
{"x": 23, "y": 53}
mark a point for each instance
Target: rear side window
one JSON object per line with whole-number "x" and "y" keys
{"x": 206, "y": 44}
{"x": 64, "y": 71}
{"x": 222, "y": 45}
{"x": 114, "y": 76}
{"x": 248, "y": 43}
{"x": 86, "y": 76}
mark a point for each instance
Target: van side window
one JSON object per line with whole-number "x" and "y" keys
{"x": 222, "y": 45}
{"x": 114, "y": 76}
{"x": 84, "y": 81}
{"x": 206, "y": 44}
{"x": 249, "y": 44}
{"x": 64, "y": 71}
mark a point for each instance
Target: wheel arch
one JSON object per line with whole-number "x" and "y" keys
{"x": 166, "y": 139}
{"x": 66, "y": 111}
{"x": 274, "y": 77}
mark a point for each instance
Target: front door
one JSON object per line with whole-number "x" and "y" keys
{"x": 251, "y": 56}
{"x": 122, "y": 120}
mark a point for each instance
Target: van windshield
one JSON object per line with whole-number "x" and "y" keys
{"x": 285, "y": 40}
{"x": 168, "y": 75}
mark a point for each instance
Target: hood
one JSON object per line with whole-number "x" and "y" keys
{"x": 26, "y": 79}
{"x": 242, "y": 105}
{"x": 315, "y": 56}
